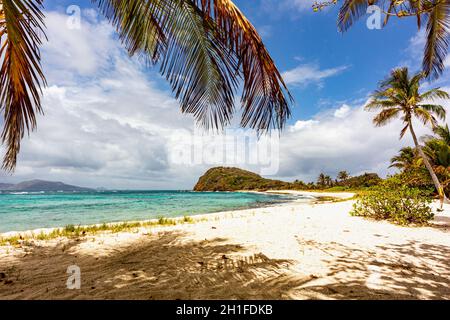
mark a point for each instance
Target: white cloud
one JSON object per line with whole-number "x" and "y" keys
{"x": 307, "y": 74}
{"x": 108, "y": 123}
{"x": 72, "y": 52}
{"x": 342, "y": 112}
{"x": 332, "y": 142}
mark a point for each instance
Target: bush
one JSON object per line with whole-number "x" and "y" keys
{"x": 397, "y": 203}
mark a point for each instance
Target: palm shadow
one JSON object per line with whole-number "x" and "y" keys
{"x": 409, "y": 271}
{"x": 160, "y": 268}
{"x": 170, "y": 266}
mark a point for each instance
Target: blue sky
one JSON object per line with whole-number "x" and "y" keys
{"x": 110, "y": 121}
{"x": 297, "y": 36}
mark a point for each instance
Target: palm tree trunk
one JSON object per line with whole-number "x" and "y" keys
{"x": 435, "y": 179}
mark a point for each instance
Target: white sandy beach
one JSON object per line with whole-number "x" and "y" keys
{"x": 292, "y": 251}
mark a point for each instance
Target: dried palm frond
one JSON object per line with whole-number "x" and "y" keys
{"x": 21, "y": 75}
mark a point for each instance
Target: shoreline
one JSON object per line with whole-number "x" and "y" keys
{"x": 201, "y": 216}
{"x": 296, "y": 250}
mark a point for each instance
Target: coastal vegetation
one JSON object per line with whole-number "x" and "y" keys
{"x": 73, "y": 231}
{"x": 405, "y": 197}
{"x": 392, "y": 200}
{"x": 235, "y": 179}
{"x": 399, "y": 96}
{"x": 412, "y": 170}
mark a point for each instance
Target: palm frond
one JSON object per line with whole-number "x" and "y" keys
{"x": 137, "y": 23}
{"x": 435, "y": 109}
{"x": 350, "y": 12}
{"x": 265, "y": 99}
{"x": 375, "y": 104}
{"x": 405, "y": 159}
{"x": 438, "y": 28}
{"x": 204, "y": 47}
{"x": 443, "y": 132}
{"x": 433, "y": 94}
{"x": 425, "y": 116}
{"x": 199, "y": 68}
{"x": 21, "y": 75}
{"x": 403, "y": 131}
{"x": 389, "y": 10}
{"x": 385, "y": 116}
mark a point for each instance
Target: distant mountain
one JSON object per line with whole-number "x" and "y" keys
{"x": 41, "y": 185}
{"x": 4, "y": 186}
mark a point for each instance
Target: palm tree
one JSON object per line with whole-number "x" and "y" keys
{"x": 405, "y": 160}
{"x": 343, "y": 175}
{"x": 322, "y": 180}
{"x": 204, "y": 48}
{"x": 328, "y": 181}
{"x": 436, "y": 13}
{"x": 399, "y": 96}
{"x": 437, "y": 148}
{"x": 443, "y": 133}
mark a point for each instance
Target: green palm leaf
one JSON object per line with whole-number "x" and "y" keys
{"x": 436, "y": 47}
{"x": 351, "y": 11}
{"x": 265, "y": 99}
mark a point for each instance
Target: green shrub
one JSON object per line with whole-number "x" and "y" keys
{"x": 397, "y": 203}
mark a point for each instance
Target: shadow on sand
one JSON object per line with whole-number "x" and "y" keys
{"x": 164, "y": 267}
{"x": 160, "y": 268}
{"x": 408, "y": 271}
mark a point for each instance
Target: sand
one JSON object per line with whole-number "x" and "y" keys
{"x": 291, "y": 251}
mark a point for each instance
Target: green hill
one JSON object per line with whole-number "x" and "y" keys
{"x": 233, "y": 179}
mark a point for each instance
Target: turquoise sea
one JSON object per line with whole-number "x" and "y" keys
{"x": 27, "y": 211}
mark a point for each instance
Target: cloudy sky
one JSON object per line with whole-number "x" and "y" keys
{"x": 111, "y": 122}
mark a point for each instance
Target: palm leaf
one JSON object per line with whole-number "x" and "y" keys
{"x": 443, "y": 132}
{"x": 265, "y": 98}
{"x": 385, "y": 116}
{"x": 433, "y": 94}
{"x": 424, "y": 114}
{"x": 375, "y": 104}
{"x": 205, "y": 46}
{"x": 137, "y": 23}
{"x": 199, "y": 68}
{"x": 389, "y": 11}
{"x": 438, "y": 26}
{"x": 403, "y": 131}
{"x": 351, "y": 11}
{"x": 435, "y": 109}
{"x": 21, "y": 75}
